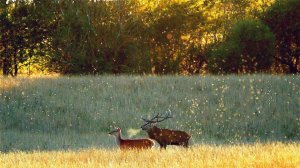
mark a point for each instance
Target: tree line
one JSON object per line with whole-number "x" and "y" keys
{"x": 150, "y": 36}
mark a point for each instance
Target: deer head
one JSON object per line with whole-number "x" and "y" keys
{"x": 154, "y": 120}
{"x": 116, "y": 131}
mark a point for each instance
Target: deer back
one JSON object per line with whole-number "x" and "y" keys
{"x": 168, "y": 136}
{"x": 136, "y": 143}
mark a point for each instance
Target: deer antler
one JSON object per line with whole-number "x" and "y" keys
{"x": 158, "y": 117}
{"x": 168, "y": 115}
{"x": 151, "y": 120}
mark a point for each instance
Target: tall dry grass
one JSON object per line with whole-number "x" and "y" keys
{"x": 271, "y": 155}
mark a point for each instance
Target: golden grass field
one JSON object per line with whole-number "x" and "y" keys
{"x": 253, "y": 155}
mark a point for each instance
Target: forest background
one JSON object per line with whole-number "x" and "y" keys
{"x": 149, "y": 36}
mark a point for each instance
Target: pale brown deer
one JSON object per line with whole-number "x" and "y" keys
{"x": 165, "y": 136}
{"x": 131, "y": 143}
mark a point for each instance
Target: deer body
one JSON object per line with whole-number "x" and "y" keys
{"x": 168, "y": 137}
{"x": 131, "y": 143}
{"x": 165, "y": 136}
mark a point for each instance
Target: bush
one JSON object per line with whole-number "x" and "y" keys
{"x": 248, "y": 48}
{"x": 283, "y": 17}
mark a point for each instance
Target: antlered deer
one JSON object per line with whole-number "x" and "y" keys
{"x": 165, "y": 136}
{"x": 131, "y": 143}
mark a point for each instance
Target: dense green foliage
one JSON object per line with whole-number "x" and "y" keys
{"x": 26, "y": 31}
{"x": 284, "y": 20}
{"x": 249, "y": 47}
{"x": 75, "y": 111}
{"x": 148, "y": 36}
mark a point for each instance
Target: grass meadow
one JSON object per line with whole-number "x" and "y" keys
{"x": 235, "y": 121}
{"x": 272, "y": 155}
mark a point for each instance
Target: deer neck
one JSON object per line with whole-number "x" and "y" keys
{"x": 155, "y": 129}
{"x": 153, "y": 132}
{"x": 118, "y": 138}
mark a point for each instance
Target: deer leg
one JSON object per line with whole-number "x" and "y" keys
{"x": 163, "y": 146}
{"x": 186, "y": 144}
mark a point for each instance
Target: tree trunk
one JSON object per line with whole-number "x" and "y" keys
{"x": 293, "y": 69}
{"x": 15, "y": 63}
{"x": 5, "y": 67}
{"x": 5, "y": 62}
{"x": 29, "y": 60}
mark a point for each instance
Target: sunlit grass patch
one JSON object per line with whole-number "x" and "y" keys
{"x": 8, "y": 83}
{"x": 252, "y": 155}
